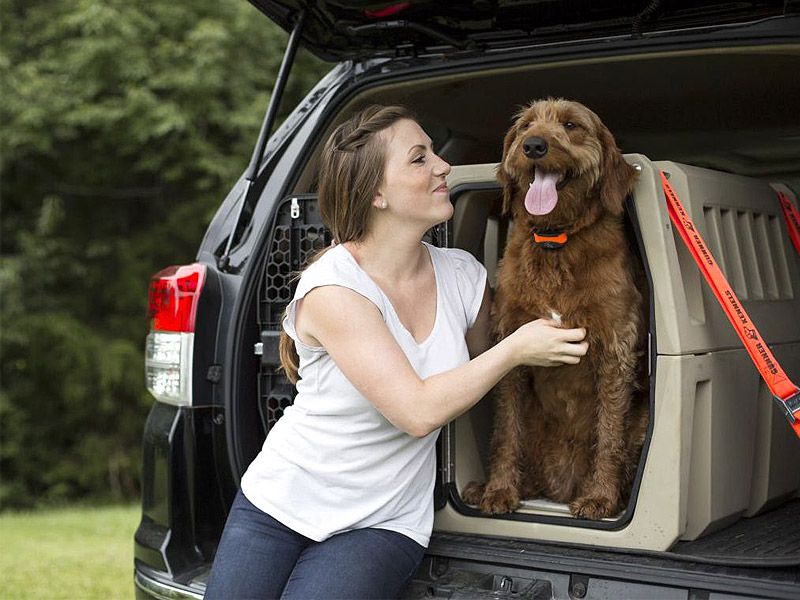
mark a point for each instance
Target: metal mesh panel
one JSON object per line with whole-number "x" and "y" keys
{"x": 275, "y": 395}
{"x": 278, "y": 273}
{"x": 291, "y": 249}
{"x": 297, "y": 236}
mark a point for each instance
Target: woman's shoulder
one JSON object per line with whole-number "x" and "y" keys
{"x": 334, "y": 262}
{"x": 338, "y": 267}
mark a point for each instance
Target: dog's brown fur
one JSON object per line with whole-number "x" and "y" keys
{"x": 571, "y": 433}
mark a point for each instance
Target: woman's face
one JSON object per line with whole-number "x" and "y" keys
{"x": 413, "y": 184}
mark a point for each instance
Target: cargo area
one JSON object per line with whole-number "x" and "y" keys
{"x": 720, "y": 459}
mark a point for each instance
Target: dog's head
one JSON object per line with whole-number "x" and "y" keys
{"x": 562, "y": 166}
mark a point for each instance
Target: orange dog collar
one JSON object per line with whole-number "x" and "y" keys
{"x": 550, "y": 239}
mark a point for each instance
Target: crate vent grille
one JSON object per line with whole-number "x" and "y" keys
{"x": 749, "y": 248}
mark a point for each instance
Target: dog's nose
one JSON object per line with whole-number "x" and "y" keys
{"x": 534, "y": 147}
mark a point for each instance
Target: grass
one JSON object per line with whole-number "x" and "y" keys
{"x": 75, "y": 553}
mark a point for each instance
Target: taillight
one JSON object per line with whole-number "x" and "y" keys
{"x": 173, "y": 298}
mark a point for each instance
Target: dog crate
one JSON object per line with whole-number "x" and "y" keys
{"x": 718, "y": 448}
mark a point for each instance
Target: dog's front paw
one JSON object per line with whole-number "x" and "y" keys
{"x": 473, "y": 493}
{"x": 497, "y": 501}
{"x": 594, "y": 507}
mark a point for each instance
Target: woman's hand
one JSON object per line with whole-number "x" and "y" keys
{"x": 542, "y": 343}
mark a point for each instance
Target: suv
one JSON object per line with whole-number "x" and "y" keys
{"x": 706, "y": 91}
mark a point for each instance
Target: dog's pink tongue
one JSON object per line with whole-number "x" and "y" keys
{"x": 542, "y": 196}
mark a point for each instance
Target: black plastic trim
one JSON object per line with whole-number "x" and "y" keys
{"x": 653, "y": 567}
{"x": 768, "y": 33}
{"x": 209, "y": 306}
{"x": 336, "y": 33}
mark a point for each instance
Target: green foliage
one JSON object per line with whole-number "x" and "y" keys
{"x": 124, "y": 125}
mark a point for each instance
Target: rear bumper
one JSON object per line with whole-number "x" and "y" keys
{"x": 149, "y": 586}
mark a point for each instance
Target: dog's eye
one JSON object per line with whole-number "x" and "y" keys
{"x": 569, "y": 125}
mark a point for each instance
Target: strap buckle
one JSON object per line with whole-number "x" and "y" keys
{"x": 790, "y": 406}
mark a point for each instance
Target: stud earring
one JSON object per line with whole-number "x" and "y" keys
{"x": 384, "y": 205}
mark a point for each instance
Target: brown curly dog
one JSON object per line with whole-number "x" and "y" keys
{"x": 571, "y": 433}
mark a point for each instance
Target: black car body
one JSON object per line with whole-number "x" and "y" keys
{"x": 711, "y": 84}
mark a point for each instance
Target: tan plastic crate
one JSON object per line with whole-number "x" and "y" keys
{"x": 720, "y": 449}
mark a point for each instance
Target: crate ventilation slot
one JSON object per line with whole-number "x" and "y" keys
{"x": 749, "y": 248}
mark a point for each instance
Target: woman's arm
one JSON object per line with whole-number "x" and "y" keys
{"x": 358, "y": 340}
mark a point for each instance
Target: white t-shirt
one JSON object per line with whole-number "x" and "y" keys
{"x": 333, "y": 462}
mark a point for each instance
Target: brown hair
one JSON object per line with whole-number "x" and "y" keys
{"x": 351, "y": 170}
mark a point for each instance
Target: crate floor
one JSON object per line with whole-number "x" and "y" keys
{"x": 769, "y": 539}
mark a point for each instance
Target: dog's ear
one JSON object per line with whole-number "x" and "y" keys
{"x": 503, "y": 176}
{"x": 617, "y": 177}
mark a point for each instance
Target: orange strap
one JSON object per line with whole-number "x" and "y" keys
{"x": 785, "y": 392}
{"x": 792, "y": 219}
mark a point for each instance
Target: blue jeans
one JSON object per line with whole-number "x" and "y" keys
{"x": 259, "y": 557}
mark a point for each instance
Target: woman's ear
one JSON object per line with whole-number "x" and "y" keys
{"x": 617, "y": 177}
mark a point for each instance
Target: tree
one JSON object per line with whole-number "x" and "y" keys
{"x": 124, "y": 125}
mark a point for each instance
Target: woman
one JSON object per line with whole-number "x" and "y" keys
{"x": 338, "y": 504}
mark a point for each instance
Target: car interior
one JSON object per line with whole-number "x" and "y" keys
{"x": 725, "y": 123}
